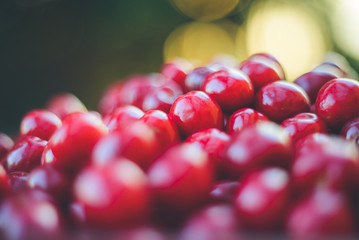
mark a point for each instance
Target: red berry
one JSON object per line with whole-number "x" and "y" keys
{"x": 39, "y": 123}
{"x": 303, "y": 124}
{"x": 181, "y": 178}
{"x": 350, "y": 130}
{"x": 330, "y": 68}
{"x": 230, "y": 88}
{"x": 311, "y": 82}
{"x": 262, "y": 69}
{"x": 177, "y": 71}
{"x": 110, "y": 98}
{"x": 6, "y": 143}
{"x": 112, "y": 195}
{"x": 4, "y": 183}
{"x": 262, "y": 144}
{"x": 196, "y": 111}
{"x": 338, "y": 102}
{"x": 242, "y": 118}
{"x": 25, "y": 155}
{"x": 195, "y": 78}
{"x": 262, "y": 197}
{"x": 64, "y": 104}
{"x": 280, "y": 100}
{"x": 121, "y": 117}
{"x": 223, "y": 192}
{"x": 71, "y": 145}
{"x": 323, "y": 213}
{"x": 138, "y": 142}
{"x": 18, "y": 181}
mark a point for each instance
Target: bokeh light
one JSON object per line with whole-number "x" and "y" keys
{"x": 205, "y": 10}
{"x": 344, "y": 22}
{"x": 289, "y": 32}
{"x": 198, "y": 41}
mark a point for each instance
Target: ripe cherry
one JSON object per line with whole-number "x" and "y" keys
{"x": 242, "y": 118}
{"x": 262, "y": 197}
{"x": 177, "y": 71}
{"x": 196, "y": 77}
{"x": 71, "y": 145}
{"x": 262, "y": 144}
{"x": 303, "y": 124}
{"x": 64, "y": 104}
{"x": 351, "y": 130}
{"x": 121, "y": 117}
{"x": 40, "y": 123}
{"x": 196, "y": 111}
{"x": 311, "y": 82}
{"x": 338, "y": 102}
{"x": 223, "y": 191}
{"x": 18, "y": 181}
{"x": 25, "y": 155}
{"x": 280, "y": 100}
{"x": 113, "y": 195}
{"x": 330, "y": 68}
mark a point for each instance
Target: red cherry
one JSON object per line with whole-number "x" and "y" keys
{"x": 262, "y": 144}
{"x": 164, "y": 128}
{"x": 303, "y": 124}
{"x": 109, "y": 100}
{"x": 18, "y": 181}
{"x": 320, "y": 157}
{"x": 280, "y": 100}
{"x": 177, "y": 71}
{"x": 26, "y": 154}
{"x": 338, "y": 102}
{"x": 4, "y": 183}
{"x": 311, "y": 82}
{"x": 230, "y": 88}
{"x": 223, "y": 192}
{"x": 242, "y": 118}
{"x": 351, "y": 130}
{"x": 181, "y": 178}
{"x": 262, "y": 197}
{"x": 71, "y": 145}
{"x": 39, "y": 123}
{"x": 138, "y": 142}
{"x": 50, "y": 180}
{"x": 112, "y": 195}
{"x": 30, "y": 215}
{"x": 121, "y": 117}
{"x": 196, "y": 111}
{"x": 64, "y": 104}
{"x": 330, "y": 68}
{"x": 262, "y": 70}
{"x": 213, "y": 142}
{"x": 195, "y": 78}
{"x": 212, "y": 223}
{"x": 320, "y": 215}
{"x": 6, "y": 143}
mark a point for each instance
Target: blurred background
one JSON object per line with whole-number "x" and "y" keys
{"x": 81, "y": 46}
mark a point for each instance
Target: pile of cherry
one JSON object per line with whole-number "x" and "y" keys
{"x": 213, "y": 152}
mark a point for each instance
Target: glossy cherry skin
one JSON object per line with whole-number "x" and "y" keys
{"x": 26, "y": 154}
{"x": 322, "y": 214}
{"x": 138, "y": 142}
{"x": 6, "y": 143}
{"x": 4, "y": 183}
{"x": 231, "y": 89}
{"x": 164, "y": 128}
{"x": 30, "y": 215}
{"x": 242, "y": 118}
{"x": 262, "y": 144}
{"x": 213, "y": 222}
{"x": 40, "y": 123}
{"x": 50, "y": 180}
{"x": 330, "y": 68}
{"x": 262, "y": 70}
{"x": 280, "y": 100}
{"x": 70, "y": 147}
{"x": 64, "y": 104}
{"x": 112, "y": 195}
{"x": 18, "y": 181}
{"x": 311, "y": 82}
{"x": 181, "y": 178}
{"x": 325, "y": 159}
{"x": 338, "y": 102}
{"x": 177, "y": 71}
{"x": 110, "y": 98}
{"x": 223, "y": 191}
{"x": 351, "y": 130}
{"x": 303, "y": 124}
{"x": 262, "y": 197}
{"x": 213, "y": 142}
{"x": 196, "y": 77}
{"x": 196, "y": 111}
{"x": 121, "y": 117}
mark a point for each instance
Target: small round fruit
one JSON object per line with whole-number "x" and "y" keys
{"x": 350, "y": 130}
{"x": 242, "y": 118}
{"x": 64, "y": 104}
